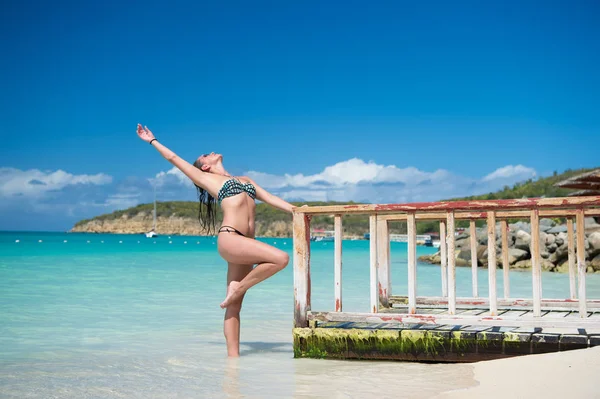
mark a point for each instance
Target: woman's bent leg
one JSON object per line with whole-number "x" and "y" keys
{"x": 243, "y": 250}
{"x": 231, "y": 324}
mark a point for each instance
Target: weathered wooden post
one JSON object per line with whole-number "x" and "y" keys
{"x": 571, "y": 252}
{"x": 491, "y": 228}
{"x": 536, "y": 263}
{"x": 374, "y": 294}
{"x": 337, "y": 260}
{"x": 473, "y": 244}
{"x": 301, "y": 232}
{"x": 444, "y": 260}
{"x": 581, "y": 268}
{"x": 383, "y": 262}
{"x": 505, "y": 262}
{"x": 451, "y": 263}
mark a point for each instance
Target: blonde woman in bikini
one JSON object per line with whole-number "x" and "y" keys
{"x": 236, "y": 243}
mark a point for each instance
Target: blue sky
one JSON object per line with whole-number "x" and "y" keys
{"x": 369, "y": 101}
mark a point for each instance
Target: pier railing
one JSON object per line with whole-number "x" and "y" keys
{"x": 574, "y": 209}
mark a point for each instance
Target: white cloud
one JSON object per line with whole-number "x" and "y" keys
{"x": 511, "y": 172}
{"x": 34, "y": 183}
{"x": 357, "y": 180}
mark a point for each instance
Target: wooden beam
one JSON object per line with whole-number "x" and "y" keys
{"x": 536, "y": 264}
{"x": 301, "y": 234}
{"x": 450, "y": 239}
{"x": 496, "y": 321}
{"x": 505, "y": 262}
{"x": 480, "y": 205}
{"x": 444, "y": 260}
{"x": 581, "y": 268}
{"x": 383, "y": 261}
{"x": 571, "y": 252}
{"x": 374, "y": 295}
{"x": 550, "y": 213}
{"x": 337, "y": 261}
{"x": 412, "y": 263}
{"x": 473, "y": 244}
{"x": 491, "y": 229}
{"x": 433, "y": 301}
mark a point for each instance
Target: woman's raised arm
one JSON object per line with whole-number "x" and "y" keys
{"x": 195, "y": 174}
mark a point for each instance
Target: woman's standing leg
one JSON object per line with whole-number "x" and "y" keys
{"x": 231, "y": 325}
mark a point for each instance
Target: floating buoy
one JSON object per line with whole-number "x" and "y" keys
{"x": 170, "y": 242}
{"x": 120, "y": 242}
{"x": 101, "y": 242}
{"x": 88, "y": 241}
{"x": 169, "y": 237}
{"x": 17, "y": 241}
{"x": 39, "y": 240}
{"x": 138, "y": 242}
{"x": 65, "y": 241}
{"x": 198, "y": 242}
{"x": 155, "y": 242}
{"x": 185, "y": 242}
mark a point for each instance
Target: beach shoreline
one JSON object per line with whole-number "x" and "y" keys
{"x": 552, "y": 375}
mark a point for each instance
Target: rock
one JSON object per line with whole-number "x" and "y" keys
{"x": 591, "y": 224}
{"x": 523, "y": 240}
{"x": 549, "y": 239}
{"x": 462, "y": 243}
{"x": 590, "y": 269}
{"x": 547, "y": 265}
{"x": 552, "y": 247}
{"x": 560, "y": 254}
{"x": 546, "y": 224}
{"x": 522, "y": 264}
{"x": 594, "y": 242}
{"x": 464, "y": 254}
{"x": 515, "y": 255}
{"x": 462, "y": 262}
{"x": 436, "y": 259}
{"x": 561, "y": 238}
{"x": 462, "y": 236}
{"x": 595, "y": 263}
{"x": 562, "y": 268}
{"x": 482, "y": 237}
{"x": 558, "y": 229}
{"x": 521, "y": 226}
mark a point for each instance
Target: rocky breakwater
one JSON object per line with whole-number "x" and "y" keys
{"x": 553, "y": 247}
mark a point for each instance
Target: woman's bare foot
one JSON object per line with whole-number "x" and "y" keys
{"x": 233, "y": 294}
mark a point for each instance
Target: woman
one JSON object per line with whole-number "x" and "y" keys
{"x": 236, "y": 243}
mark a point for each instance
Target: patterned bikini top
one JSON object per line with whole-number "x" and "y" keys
{"x": 234, "y": 187}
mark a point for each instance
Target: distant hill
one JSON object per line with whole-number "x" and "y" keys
{"x": 180, "y": 217}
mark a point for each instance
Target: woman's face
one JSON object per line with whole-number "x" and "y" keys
{"x": 209, "y": 160}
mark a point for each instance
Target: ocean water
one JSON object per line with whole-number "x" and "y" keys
{"x": 124, "y": 316}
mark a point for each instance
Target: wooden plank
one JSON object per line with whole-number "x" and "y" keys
{"x": 477, "y": 205}
{"x": 483, "y": 215}
{"x": 473, "y": 244}
{"x": 374, "y": 294}
{"x": 536, "y": 264}
{"x": 514, "y": 313}
{"x": 450, "y": 240}
{"x": 505, "y": 263}
{"x": 412, "y": 264}
{"x": 383, "y": 262}
{"x": 444, "y": 256}
{"x": 301, "y": 232}
{"x": 571, "y": 252}
{"x": 577, "y": 314}
{"x": 337, "y": 261}
{"x": 491, "y": 230}
{"x": 471, "y": 320}
{"x": 556, "y": 314}
{"x": 581, "y": 267}
{"x": 568, "y": 304}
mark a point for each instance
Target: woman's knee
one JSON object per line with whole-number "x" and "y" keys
{"x": 282, "y": 259}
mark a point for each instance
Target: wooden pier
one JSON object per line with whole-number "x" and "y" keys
{"x": 447, "y": 328}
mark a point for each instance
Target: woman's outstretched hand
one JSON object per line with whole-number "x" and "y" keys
{"x": 144, "y": 133}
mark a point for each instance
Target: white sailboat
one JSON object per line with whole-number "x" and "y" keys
{"x": 152, "y": 233}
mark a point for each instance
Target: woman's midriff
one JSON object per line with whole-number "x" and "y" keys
{"x": 238, "y": 212}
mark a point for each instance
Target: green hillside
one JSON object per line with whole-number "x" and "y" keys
{"x": 355, "y": 224}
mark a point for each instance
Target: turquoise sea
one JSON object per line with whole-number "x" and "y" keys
{"x": 125, "y": 316}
